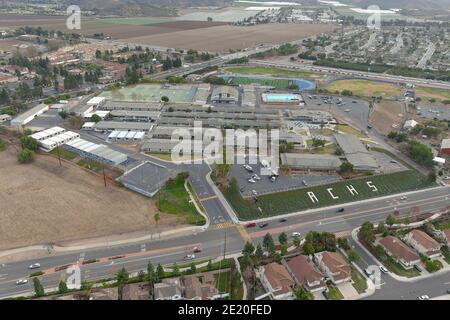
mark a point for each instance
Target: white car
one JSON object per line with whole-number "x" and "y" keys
{"x": 190, "y": 257}
{"x": 404, "y": 198}
{"x": 21, "y": 281}
{"x": 254, "y": 193}
{"x": 251, "y": 180}
{"x": 256, "y": 177}
{"x": 296, "y": 234}
{"x": 383, "y": 269}
{"x": 34, "y": 266}
{"x": 424, "y": 297}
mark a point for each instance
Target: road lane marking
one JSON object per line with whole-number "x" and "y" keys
{"x": 208, "y": 198}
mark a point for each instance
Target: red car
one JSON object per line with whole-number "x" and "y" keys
{"x": 250, "y": 225}
{"x": 196, "y": 250}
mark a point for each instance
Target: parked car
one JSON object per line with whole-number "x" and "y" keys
{"x": 34, "y": 266}
{"x": 418, "y": 268}
{"x": 250, "y": 225}
{"x": 296, "y": 234}
{"x": 383, "y": 269}
{"x": 273, "y": 178}
{"x": 256, "y": 177}
{"x": 254, "y": 192}
{"x": 325, "y": 294}
{"x": 21, "y": 282}
{"x": 251, "y": 180}
{"x": 304, "y": 183}
{"x": 368, "y": 272}
{"x": 424, "y": 297}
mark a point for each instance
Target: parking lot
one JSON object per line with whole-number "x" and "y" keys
{"x": 282, "y": 183}
{"x": 437, "y": 111}
{"x": 387, "y": 164}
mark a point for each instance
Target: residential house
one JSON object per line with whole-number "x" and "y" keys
{"x": 168, "y": 289}
{"x": 201, "y": 287}
{"x": 306, "y": 274}
{"x": 334, "y": 265}
{"x": 423, "y": 243}
{"x": 400, "y": 252}
{"x": 136, "y": 291}
{"x": 276, "y": 279}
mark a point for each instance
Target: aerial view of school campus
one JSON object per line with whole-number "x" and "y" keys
{"x": 224, "y": 150}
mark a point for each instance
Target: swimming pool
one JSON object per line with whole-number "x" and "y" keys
{"x": 281, "y": 97}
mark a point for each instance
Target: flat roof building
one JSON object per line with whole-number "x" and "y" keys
{"x": 225, "y": 95}
{"x": 29, "y": 115}
{"x": 356, "y": 153}
{"x": 314, "y": 162}
{"x": 123, "y": 126}
{"x": 97, "y": 152}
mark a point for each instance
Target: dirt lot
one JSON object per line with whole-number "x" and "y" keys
{"x": 386, "y": 114}
{"x": 43, "y": 203}
{"x": 223, "y": 38}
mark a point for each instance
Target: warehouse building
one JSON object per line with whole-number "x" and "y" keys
{"x": 122, "y": 126}
{"x": 54, "y": 137}
{"x": 311, "y": 116}
{"x": 131, "y": 106}
{"x": 126, "y": 136}
{"x": 135, "y": 115}
{"x": 29, "y": 115}
{"x": 311, "y": 162}
{"x": 96, "y": 152}
{"x": 48, "y": 133}
{"x": 225, "y": 95}
{"x": 356, "y": 153}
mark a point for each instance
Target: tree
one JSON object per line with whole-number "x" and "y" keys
{"x": 302, "y": 294}
{"x": 122, "y": 276}
{"x": 259, "y": 251}
{"x": 308, "y": 248}
{"x": 193, "y": 268}
{"x": 282, "y": 238}
{"x": 390, "y": 220}
{"x": 175, "y": 269}
{"x": 63, "y": 114}
{"x": 159, "y": 272}
{"x": 343, "y": 243}
{"x": 96, "y": 118}
{"x": 209, "y": 266}
{"x": 151, "y": 276}
{"x": 297, "y": 241}
{"x": 353, "y": 256}
{"x": 62, "y": 287}
{"x": 381, "y": 228}
{"x": 25, "y": 156}
{"x": 165, "y": 99}
{"x": 346, "y": 167}
{"x": 38, "y": 288}
{"x": 29, "y": 143}
{"x": 366, "y": 233}
{"x": 268, "y": 242}
{"x": 249, "y": 248}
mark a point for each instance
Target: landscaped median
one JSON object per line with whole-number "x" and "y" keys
{"x": 324, "y": 195}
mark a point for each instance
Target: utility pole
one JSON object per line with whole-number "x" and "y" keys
{"x": 59, "y": 155}
{"x": 104, "y": 176}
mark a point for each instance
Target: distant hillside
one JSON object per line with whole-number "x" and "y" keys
{"x": 142, "y": 7}
{"x": 402, "y": 4}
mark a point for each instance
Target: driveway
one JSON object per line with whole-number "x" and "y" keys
{"x": 347, "y": 290}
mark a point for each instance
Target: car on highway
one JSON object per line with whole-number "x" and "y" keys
{"x": 282, "y": 220}
{"x": 34, "y": 266}
{"x": 296, "y": 234}
{"x": 403, "y": 198}
{"x": 263, "y": 225}
{"x": 383, "y": 269}
{"x": 196, "y": 250}
{"x": 21, "y": 282}
{"x": 341, "y": 210}
{"x": 424, "y": 297}
{"x": 189, "y": 257}
{"x": 250, "y": 225}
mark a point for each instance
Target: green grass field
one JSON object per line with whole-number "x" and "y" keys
{"x": 173, "y": 198}
{"x": 276, "y": 83}
{"x": 366, "y": 88}
{"x": 427, "y": 93}
{"x": 277, "y": 72}
{"x": 298, "y": 200}
{"x": 334, "y": 293}
{"x": 91, "y": 164}
{"x": 64, "y": 153}
{"x": 359, "y": 282}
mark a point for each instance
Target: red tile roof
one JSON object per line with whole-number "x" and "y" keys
{"x": 304, "y": 271}
{"x": 399, "y": 249}
{"x": 279, "y": 278}
{"x": 337, "y": 265}
{"x": 425, "y": 240}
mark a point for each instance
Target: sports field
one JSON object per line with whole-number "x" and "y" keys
{"x": 152, "y": 93}
{"x": 276, "y": 83}
{"x": 365, "y": 88}
{"x": 298, "y": 200}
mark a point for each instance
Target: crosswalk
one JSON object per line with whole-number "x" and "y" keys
{"x": 223, "y": 225}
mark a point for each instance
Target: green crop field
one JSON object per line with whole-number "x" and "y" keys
{"x": 297, "y": 200}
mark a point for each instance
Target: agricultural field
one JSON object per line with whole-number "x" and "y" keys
{"x": 224, "y": 38}
{"x": 366, "y": 88}
{"x": 137, "y": 21}
{"x": 45, "y": 203}
{"x": 297, "y": 200}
